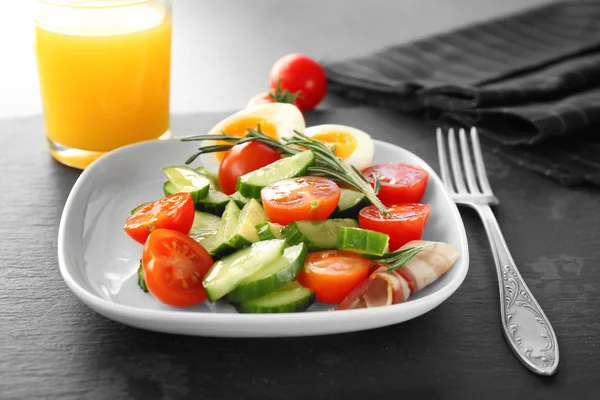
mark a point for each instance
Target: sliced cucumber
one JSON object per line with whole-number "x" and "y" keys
{"x": 214, "y": 203}
{"x": 245, "y": 233}
{"x": 185, "y": 179}
{"x": 293, "y": 297}
{"x": 316, "y": 235}
{"x": 227, "y": 273}
{"x": 140, "y": 206}
{"x": 269, "y": 230}
{"x": 227, "y": 227}
{"x": 272, "y": 277}
{"x": 204, "y": 229}
{"x": 169, "y": 188}
{"x": 351, "y": 202}
{"x": 250, "y": 184}
{"x": 142, "y": 278}
{"x": 214, "y": 181}
{"x": 362, "y": 241}
{"x": 240, "y": 200}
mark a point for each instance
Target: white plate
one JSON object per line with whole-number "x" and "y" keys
{"x": 99, "y": 262}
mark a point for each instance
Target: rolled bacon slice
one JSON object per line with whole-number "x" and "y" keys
{"x": 384, "y": 288}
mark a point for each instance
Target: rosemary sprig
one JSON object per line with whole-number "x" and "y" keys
{"x": 399, "y": 258}
{"x": 327, "y": 164}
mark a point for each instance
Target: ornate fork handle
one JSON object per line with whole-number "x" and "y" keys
{"x": 526, "y": 327}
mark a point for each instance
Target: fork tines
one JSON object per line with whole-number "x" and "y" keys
{"x": 464, "y": 179}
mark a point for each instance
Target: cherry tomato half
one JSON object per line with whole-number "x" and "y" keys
{"x": 241, "y": 159}
{"x": 406, "y": 222}
{"x": 174, "y": 266}
{"x": 332, "y": 274}
{"x": 298, "y": 199}
{"x": 303, "y": 75}
{"x": 399, "y": 183}
{"x": 174, "y": 212}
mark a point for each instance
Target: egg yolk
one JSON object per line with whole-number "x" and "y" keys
{"x": 240, "y": 128}
{"x": 345, "y": 144}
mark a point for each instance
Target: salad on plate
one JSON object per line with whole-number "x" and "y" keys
{"x": 273, "y": 216}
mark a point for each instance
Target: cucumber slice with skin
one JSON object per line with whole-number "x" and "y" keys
{"x": 169, "y": 188}
{"x": 204, "y": 229}
{"x": 269, "y": 230}
{"x": 316, "y": 235}
{"x": 245, "y": 233}
{"x": 362, "y": 241}
{"x": 227, "y": 227}
{"x": 350, "y": 204}
{"x": 250, "y": 184}
{"x": 214, "y": 203}
{"x": 185, "y": 179}
{"x": 293, "y": 297}
{"x": 272, "y": 277}
{"x": 140, "y": 206}
{"x": 240, "y": 200}
{"x": 226, "y": 274}
{"x": 142, "y": 278}
{"x": 214, "y": 181}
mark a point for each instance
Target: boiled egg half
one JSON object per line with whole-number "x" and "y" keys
{"x": 352, "y": 145}
{"x": 276, "y": 120}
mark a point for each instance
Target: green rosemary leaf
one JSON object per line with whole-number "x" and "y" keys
{"x": 376, "y": 183}
{"x": 211, "y": 137}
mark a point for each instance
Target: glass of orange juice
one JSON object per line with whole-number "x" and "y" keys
{"x": 104, "y": 70}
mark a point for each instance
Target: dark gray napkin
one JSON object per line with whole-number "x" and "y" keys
{"x": 530, "y": 82}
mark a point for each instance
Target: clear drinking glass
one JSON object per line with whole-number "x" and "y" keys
{"x": 104, "y": 70}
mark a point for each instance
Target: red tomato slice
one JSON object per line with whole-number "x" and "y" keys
{"x": 171, "y": 212}
{"x": 406, "y": 222}
{"x": 174, "y": 266}
{"x": 241, "y": 159}
{"x": 399, "y": 183}
{"x": 306, "y": 198}
{"x": 332, "y": 274}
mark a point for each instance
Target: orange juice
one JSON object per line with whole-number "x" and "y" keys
{"x": 104, "y": 75}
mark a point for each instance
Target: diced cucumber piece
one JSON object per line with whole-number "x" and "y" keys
{"x": 214, "y": 181}
{"x": 227, "y": 273}
{"x": 362, "y": 241}
{"x": 272, "y": 277}
{"x": 142, "y": 278}
{"x": 293, "y": 297}
{"x": 214, "y": 203}
{"x": 185, "y": 179}
{"x": 351, "y": 202}
{"x": 227, "y": 227}
{"x": 140, "y": 206}
{"x": 269, "y": 230}
{"x": 316, "y": 235}
{"x": 204, "y": 229}
{"x": 252, "y": 214}
{"x": 169, "y": 188}
{"x": 240, "y": 200}
{"x": 250, "y": 184}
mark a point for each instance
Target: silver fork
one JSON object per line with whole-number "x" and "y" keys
{"x": 525, "y": 326}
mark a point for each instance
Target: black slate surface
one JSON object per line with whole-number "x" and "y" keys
{"x": 53, "y": 346}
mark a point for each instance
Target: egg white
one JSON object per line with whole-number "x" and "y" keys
{"x": 362, "y": 156}
{"x": 285, "y": 117}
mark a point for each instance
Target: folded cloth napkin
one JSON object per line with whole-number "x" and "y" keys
{"x": 530, "y": 82}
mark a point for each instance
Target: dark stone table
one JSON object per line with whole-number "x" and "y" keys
{"x": 53, "y": 346}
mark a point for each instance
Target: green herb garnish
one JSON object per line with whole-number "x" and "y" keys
{"x": 327, "y": 164}
{"x": 397, "y": 259}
